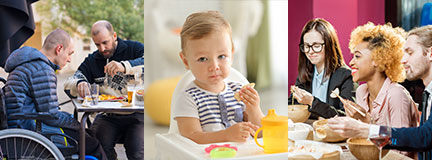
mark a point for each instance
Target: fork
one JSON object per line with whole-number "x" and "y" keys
{"x": 106, "y": 74}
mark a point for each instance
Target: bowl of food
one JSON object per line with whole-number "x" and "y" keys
{"x": 324, "y": 133}
{"x": 364, "y": 149}
{"x": 299, "y": 131}
{"x": 298, "y": 113}
{"x": 140, "y": 95}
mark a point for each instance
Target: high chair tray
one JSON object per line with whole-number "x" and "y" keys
{"x": 174, "y": 146}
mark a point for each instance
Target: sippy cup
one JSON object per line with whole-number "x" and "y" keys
{"x": 275, "y": 133}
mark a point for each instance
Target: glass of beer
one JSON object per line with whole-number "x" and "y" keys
{"x": 130, "y": 89}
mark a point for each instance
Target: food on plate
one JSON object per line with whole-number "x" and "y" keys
{"x": 321, "y": 133}
{"x": 237, "y": 95}
{"x": 304, "y": 149}
{"x": 105, "y": 97}
{"x": 140, "y": 95}
{"x": 307, "y": 148}
{"x": 324, "y": 133}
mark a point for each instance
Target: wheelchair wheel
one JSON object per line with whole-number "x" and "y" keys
{"x": 26, "y": 144}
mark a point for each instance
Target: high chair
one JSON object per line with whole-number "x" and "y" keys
{"x": 172, "y": 145}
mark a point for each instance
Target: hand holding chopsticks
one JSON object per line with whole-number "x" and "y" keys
{"x": 335, "y": 94}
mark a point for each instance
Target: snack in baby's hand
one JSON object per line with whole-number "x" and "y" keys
{"x": 237, "y": 95}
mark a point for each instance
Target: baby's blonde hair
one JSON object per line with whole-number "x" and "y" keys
{"x": 386, "y": 44}
{"x": 198, "y": 25}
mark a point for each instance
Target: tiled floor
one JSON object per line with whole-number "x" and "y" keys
{"x": 272, "y": 98}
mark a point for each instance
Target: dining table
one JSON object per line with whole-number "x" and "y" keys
{"x": 102, "y": 106}
{"x": 347, "y": 155}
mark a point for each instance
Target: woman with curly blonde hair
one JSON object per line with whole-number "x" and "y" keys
{"x": 378, "y": 50}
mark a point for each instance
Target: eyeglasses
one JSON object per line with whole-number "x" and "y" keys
{"x": 316, "y": 47}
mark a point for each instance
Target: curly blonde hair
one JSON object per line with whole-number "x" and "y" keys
{"x": 386, "y": 44}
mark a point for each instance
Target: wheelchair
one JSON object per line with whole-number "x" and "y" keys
{"x": 19, "y": 143}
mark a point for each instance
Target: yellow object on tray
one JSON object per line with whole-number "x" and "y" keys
{"x": 275, "y": 133}
{"x": 103, "y": 97}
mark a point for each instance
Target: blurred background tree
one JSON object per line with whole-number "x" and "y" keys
{"x": 77, "y": 16}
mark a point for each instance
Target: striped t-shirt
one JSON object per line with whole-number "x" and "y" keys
{"x": 215, "y": 111}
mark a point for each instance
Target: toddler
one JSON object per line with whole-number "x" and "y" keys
{"x": 206, "y": 111}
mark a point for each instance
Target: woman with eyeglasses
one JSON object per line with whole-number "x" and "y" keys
{"x": 321, "y": 69}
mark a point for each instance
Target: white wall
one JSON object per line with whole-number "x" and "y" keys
{"x": 278, "y": 19}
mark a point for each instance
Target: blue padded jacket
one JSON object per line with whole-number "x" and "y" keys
{"x": 32, "y": 87}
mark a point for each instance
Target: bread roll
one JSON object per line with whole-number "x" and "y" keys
{"x": 237, "y": 95}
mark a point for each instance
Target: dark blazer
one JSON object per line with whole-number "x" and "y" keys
{"x": 342, "y": 79}
{"x": 417, "y": 139}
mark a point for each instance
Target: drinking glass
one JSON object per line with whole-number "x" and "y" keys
{"x": 131, "y": 89}
{"x": 92, "y": 95}
{"x": 139, "y": 77}
{"x": 382, "y": 138}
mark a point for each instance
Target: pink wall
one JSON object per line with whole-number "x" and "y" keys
{"x": 371, "y": 10}
{"x": 299, "y": 12}
{"x": 342, "y": 14}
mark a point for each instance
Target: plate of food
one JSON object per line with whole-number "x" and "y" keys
{"x": 110, "y": 98}
{"x": 305, "y": 149}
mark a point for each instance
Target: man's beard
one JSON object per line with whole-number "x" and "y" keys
{"x": 110, "y": 52}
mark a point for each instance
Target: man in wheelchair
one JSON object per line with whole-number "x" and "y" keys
{"x": 31, "y": 88}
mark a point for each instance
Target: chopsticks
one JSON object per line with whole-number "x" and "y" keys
{"x": 335, "y": 93}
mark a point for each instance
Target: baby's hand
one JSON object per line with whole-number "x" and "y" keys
{"x": 240, "y": 132}
{"x": 249, "y": 96}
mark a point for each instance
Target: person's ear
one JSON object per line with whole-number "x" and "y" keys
{"x": 429, "y": 54}
{"x": 184, "y": 60}
{"x": 115, "y": 36}
{"x": 233, "y": 49}
{"x": 58, "y": 49}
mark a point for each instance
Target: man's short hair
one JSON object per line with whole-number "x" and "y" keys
{"x": 424, "y": 37}
{"x": 56, "y": 37}
{"x": 107, "y": 25}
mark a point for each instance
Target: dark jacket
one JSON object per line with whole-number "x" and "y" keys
{"x": 32, "y": 87}
{"x": 342, "y": 79}
{"x": 129, "y": 53}
{"x": 417, "y": 139}
{"x": 93, "y": 66}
